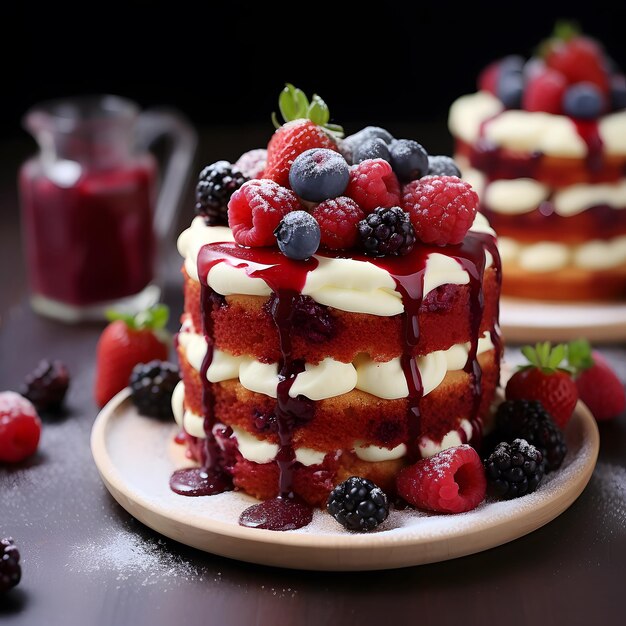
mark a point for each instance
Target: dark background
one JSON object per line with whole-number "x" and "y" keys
{"x": 224, "y": 63}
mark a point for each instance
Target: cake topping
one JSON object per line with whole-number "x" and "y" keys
{"x": 20, "y": 428}
{"x": 408, "y": 159}
{"x": 373, "y": 184}
{"x": 387, "y": 232}
{"x": 442, "y": 165}
{"x": 298, "y": 235}
{"x": 338, "y": 220}
{"x": 47, "y": 385}
{"x": 252, "y": 163}
{"x": 374, "y": 148}
{"x": 216, "y": 184}
{"x": 350, "y": 145}
{"x": 319, "y": 174}
{"x": 514, "y": 469}
{"x": 442, "y": 208}
{"x": 584, "y": 101}
{"x": 358, "y": 504}
{"x": 152, "y": 385}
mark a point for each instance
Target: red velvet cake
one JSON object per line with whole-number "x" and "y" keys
{"x": 543, "y": 142}
{"x": 340, "y": 319}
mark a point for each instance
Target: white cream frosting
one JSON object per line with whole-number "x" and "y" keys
{"x": 331, "y": 378}
{"x": 547, "y": 256}
{"x": 345, "y": 284}
{"x": 428, "y": 447}
{"x": 178, "y": 402}
{"x": 530, "y": 131}
{"x": 375, "y": 454}
{"x": 523, "y": 195}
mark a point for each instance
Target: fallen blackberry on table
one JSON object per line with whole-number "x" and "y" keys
{"x": 10, "y": 570}
{"x": 527, "y": 419}
{"x": 47, "y": 385}
{"x": 358, "y": 504}
{"x": 514, "y": 469}
{"x": 152, "y": 385}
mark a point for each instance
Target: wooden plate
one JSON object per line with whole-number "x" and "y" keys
{"x": 525, "y": 321}
{"x": 136, "y": 455}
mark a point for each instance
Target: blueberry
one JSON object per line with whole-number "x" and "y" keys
{"x": 512, "y": 64}
{"x": 319, "y": 174}
{"x": 583, "y": 100}
{"x": 510, "y": 89}
{"x": 298, "y": 235}
{"x": 618, "y": 93}
{"x": 352, "y": 142}
{"x": 371, "y": 149}
{"x": 442, "y": 166}
{"x": 409, "y": 160}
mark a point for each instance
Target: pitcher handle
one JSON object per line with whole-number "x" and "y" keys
{"x": 152, "y": 125}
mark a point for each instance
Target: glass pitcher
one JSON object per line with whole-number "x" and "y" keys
{"x": 93, "y": 212}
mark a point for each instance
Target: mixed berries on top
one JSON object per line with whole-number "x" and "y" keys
{"x": 354, "y": 193}
{"x": 571, "y": 75}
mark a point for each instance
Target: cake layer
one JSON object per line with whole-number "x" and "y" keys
{"x": 243, "y": 325}
{"x": 482, "y": 116}
{"x": 340, "y": 421}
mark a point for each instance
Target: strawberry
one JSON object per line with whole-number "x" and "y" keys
{"x": 544, "y": 92}
{"x": 577, "y": 57}
{"x": 126, "y": 341}
{"x": 306, "y": 127}
{"x": 543, "y": 379}
{"x": 598, "y": 385}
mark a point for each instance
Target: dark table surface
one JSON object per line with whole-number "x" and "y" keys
{"x": 87, "y": 561}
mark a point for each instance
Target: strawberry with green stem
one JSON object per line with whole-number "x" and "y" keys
{"x": 126, "y": 341}
{"x": 545, "y": 378}
{"x": 306, "y": 126}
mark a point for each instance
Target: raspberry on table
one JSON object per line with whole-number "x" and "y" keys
{"x": 10, "y": 570}
{"x": 514, "y": 469}
{"x": 338, "y": 219}
{"x": 252, "y": 163}
{"x": 20, "y": 428}
{"x": 527, "y": 419}
{"x": 216, "y": 185}
{"x": 256, "y": 209}
{"x": 373, "y": 184}
{"x": 47, "y": 385}
{"x": 358, "y": 504}
{"x": 387, "y": 232}
{"x": 451, "y": 481}
{"x": 152, "y": 385}
{"x": 442, "y": 208}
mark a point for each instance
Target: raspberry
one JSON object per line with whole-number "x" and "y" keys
{"x": 488, "y": 78}
{"x": 514, "y": 469}
{"x": 152, "y": 385}
{"x": 544, "y": 92}
{"x": 358, "y": 504}
{"x": 527, "y": 419}
{"x": 10, "y": 570}
{"x": 373, "y": 184}
{"x": 20, "y": 428}
{"x": 442, "y": 208}
{"x": 256, "y": 209}
{"x": 387, "y": 231}
{"x": 252, "y": 163}
{"x": 216, "y": 185}
{"x": 452, "y": 481}
{"x": 338, "y": 219}
{"x": 47, "y": 385}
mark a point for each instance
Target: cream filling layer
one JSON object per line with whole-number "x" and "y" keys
{"x": 345, "y": 284}
{"x": 547, "y": 256}
{"x": 429, "y": 447}
{"x": 530, "y": 131}
{"x": 331, "y": 378}
{"x": 523, "y": 195}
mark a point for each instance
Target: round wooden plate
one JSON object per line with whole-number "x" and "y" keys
{"x": 525, "y": 321}
{"x": 136, "y": 455}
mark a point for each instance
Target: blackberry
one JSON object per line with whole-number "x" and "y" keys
{"x": 514, "y": 469}
{"x": 387, "y": 231}
{"x": 527, "y": 419}
{"x": 10, "y": 570}
{"x": 358, "y": 504}
{"x": 152, "y": 385}
{"x": 216, "y": 184}
{"x": 47, "y": 385}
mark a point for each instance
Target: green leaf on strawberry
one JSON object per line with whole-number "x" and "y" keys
{"x": 579, "y": 355}
{"x": 545, "y": 357}
{"x": 154, "y": 318}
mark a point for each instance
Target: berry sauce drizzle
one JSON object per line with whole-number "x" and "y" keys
{"x": 589, "y": 132}
{"x": 209, "y": 479}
